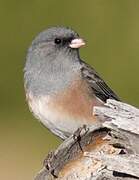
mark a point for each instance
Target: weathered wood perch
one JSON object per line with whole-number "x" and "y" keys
{"x": 108, "y": 151}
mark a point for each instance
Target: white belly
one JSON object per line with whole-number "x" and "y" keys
{"x": 59, "y": 123}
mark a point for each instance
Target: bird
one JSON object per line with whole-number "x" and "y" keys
{"x": 61, "y": 89}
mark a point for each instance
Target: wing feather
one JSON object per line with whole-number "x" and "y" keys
{"x": 98, "y": 86}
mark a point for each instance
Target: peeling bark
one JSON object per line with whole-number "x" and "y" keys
{"x": 108, "y": 151}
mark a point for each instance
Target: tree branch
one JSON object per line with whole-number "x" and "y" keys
{"x": 105, "y": 151}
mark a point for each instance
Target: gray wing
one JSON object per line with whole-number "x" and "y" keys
{"x": 98, "y": 86}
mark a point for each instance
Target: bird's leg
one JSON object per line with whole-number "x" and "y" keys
{"x": 77, "y": 135}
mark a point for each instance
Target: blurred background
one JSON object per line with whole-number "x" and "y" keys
{"x": 111, "y": 29}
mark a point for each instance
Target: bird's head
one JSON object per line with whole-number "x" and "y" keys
{"x": 58, "y": 40}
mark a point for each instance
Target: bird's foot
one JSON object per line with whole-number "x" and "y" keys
{"x": 78, "y": 135}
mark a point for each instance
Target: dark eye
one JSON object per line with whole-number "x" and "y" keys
{"x": 57, "y": 41}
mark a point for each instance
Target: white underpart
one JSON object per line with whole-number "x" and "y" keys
{"x": 59, "y": 123}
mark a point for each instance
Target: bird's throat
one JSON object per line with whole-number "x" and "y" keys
{"x": 51, "y": 76}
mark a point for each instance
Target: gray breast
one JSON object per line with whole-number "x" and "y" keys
{"x": 44, "y": 76}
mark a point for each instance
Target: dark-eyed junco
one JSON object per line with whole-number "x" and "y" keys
{"x": 61, "y": 89}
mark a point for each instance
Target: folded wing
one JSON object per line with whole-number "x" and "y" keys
{"x": 98, "y": 86}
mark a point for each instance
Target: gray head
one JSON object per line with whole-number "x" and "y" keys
{"x": 51, "y": 60}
